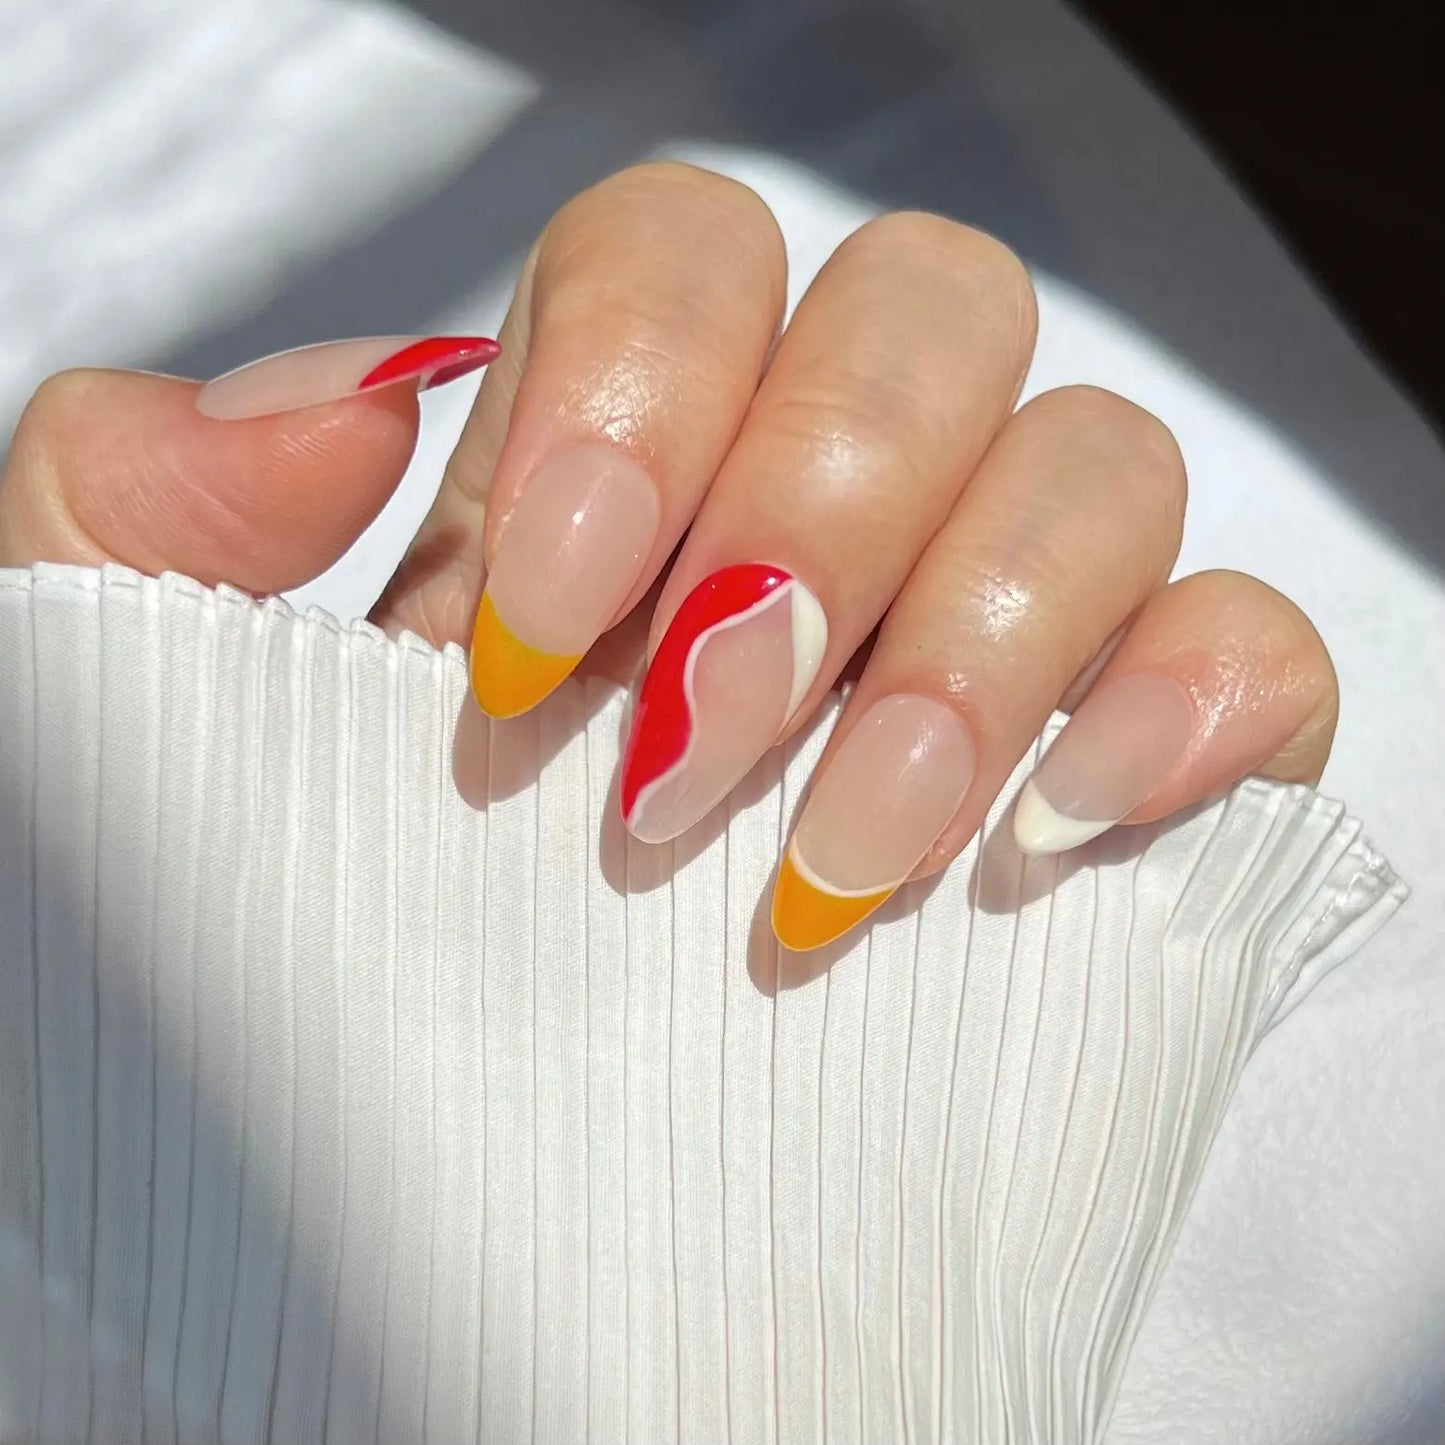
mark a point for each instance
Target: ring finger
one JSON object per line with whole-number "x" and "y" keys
{"x": 1072, "y": 522}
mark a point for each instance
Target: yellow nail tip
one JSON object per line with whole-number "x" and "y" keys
{"x": 806, "y": 916}
{"x": 508, "y": 676}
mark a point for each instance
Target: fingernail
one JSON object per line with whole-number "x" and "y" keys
{"x": 310, "y": 375}
{"x": 876, "y": 809}
{"x": 1124, "y": 740}
{"x": 573, "y": 547}
{"x": 733, "y": 667}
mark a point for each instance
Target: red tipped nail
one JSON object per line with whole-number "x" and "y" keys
{"x": 311, "y": 375}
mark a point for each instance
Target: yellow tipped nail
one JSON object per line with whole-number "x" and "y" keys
{"x": 807, "y": 913}
{"x": 508, "y": 677}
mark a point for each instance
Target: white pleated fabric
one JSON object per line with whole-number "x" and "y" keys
{"x": 332, "y": 1109}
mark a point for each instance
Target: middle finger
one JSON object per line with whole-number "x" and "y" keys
{"x": 902, "y": 361}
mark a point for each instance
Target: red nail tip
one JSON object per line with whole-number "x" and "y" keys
{"x": 664, "y": 723}
{"x": 434, "y": 359}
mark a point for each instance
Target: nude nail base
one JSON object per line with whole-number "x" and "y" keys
{"x": 333, "y": 370}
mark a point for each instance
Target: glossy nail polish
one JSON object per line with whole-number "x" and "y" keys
{"x": 572, "y": 548}
{"x": 1121, "y": 744}
{"x": 310, "y": 375}
{"x": 732, "y": 668}
{"x": 875, "y": 810}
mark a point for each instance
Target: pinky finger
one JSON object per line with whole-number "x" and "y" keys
{"x": 1218, "y": 677}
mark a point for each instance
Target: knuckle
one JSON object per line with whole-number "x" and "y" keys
{"x": 674, "y": 181}
{"x": 1141, "y": 462}
{"x": 849, "y": 421}
{"x": 52, "y": 452}
{"x": 669, "y": 180}
{"x": 711, "y": 203}
{"x": 1093, "y": 408}
{"x": 1273, "y": 640}
{"x": 993, "y": 274}
{"x": 50, "y": 413}
{"x": 666, "y": 203}
{"x": 1252, "y": 609}
{"x": 53, "y": 445}
{"x": 664, "y": 262}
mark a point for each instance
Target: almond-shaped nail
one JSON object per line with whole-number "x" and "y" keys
{"x": 875, "y": 810}
{"x": 1121, "y": 744}
{"x": 310, "y": 375}
{"x": 573, "y": 546}
{"x": 732, "y": 668}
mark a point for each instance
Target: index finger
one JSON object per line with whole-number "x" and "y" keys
{"x": 637, "y": 340}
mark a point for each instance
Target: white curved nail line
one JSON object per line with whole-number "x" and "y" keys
{"x": 814, "y": 880}
{"x": 810, "y": 642}
{"x": 1039, "y": 827}
{"x": 809, "y": 625}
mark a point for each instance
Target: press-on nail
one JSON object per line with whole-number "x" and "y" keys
{"x": 733, "y": 667}
{"x": 876, "y": 809}
{"x": 1120, "y": 745}
{"x": 573, "y": 547}
{"x": 310, "y": 375}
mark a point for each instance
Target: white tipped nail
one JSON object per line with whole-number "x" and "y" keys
{"x": 1116, "y": 750}
{"x": 1040, "y": 829}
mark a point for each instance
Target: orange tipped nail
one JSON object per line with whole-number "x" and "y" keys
{"x": 508, "y": 676}
{"x": 883, "y": 800}
{"x": 807, "y": 913}
{"x": 575, "y": 543}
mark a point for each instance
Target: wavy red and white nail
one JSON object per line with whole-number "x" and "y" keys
{"x": 732, "y": 669}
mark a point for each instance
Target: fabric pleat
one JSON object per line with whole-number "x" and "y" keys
{"x": 334, "y": 1109}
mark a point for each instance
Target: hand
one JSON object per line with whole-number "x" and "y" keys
{"x": 863, "y": 470}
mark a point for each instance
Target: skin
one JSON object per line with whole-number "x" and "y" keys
{"x": 1006, "y": 561}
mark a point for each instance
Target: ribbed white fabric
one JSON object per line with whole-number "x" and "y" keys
{"x": 331, "y": 1109}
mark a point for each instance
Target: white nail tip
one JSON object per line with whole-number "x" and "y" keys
{"x": 1039, "y": 828}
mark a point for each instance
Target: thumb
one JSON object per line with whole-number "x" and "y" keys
{"x": 116, "y": 466}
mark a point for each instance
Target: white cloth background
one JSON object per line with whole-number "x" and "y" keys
{"x": 168, "y": 169}
{"x": 334, "y": 1108}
